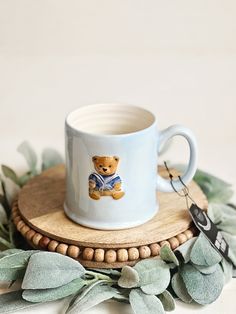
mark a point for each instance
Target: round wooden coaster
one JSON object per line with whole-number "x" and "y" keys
{"x": 39, "y": 216}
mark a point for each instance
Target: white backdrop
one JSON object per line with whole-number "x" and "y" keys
{"x": 177, "y": 58}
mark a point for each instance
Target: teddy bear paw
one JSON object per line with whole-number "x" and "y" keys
{"x": 95, "y": 195}
{"x": 118, "y": 194}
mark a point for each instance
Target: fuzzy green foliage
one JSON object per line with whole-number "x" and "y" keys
{"x": 194, "y": 272}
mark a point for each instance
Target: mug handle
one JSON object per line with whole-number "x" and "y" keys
{"x": 164, "y": 185}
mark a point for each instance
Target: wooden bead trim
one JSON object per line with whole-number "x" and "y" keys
{"x": 97, "y": 255}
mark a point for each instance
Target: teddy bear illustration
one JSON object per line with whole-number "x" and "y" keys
{"x": 105, "y": 181}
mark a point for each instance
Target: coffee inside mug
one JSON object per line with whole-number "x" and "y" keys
{"x": 110, "y": 119}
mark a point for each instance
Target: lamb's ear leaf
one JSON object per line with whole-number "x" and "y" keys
{"x": 216, "y": 190}
{"x": 129, "y": 277}
{"x": 204, "y": 289}
{"x": 154, "y": 275}
{"x": 168, "y": 255}
{"x": 227, "y": 270}
{"x": 167, "y": 301}
{"x": 58, "y": 270}
{"x": 45, "y": 295}
{"x": 224, "y": 216}
{"x": 203, "y": 253}
{"x": 11, "y": 190}
{"x": 12, "y": 301}
{"x": 180, "y": 289}
{"x": 25, "y": 178}
{"x": 10, "y": 252}
{"x": 13, "y": 264}
{"x": 228, "y": 219}
{"x": 142, "y": 303}
{"x": 94, "y": 296}
{"x": 228, "y": 226}
{"x": 18, "y": 259}
{"x": 50, "y": 158}
{"x": 231, "y": 240}
{"x": 11, "y": 274}
{"x": 206, "y": 269}
{"x": 214, "y": 212}
{"x": 30, "y": 156}
{"x": 10, "y": 173}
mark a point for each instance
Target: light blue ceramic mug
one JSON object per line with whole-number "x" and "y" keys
{"x": 111, "y": 163}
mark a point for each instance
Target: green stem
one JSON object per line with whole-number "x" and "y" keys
{"x": 5, "y": 232}
{"x": 90, "y": 281}
{"x": 11, "y": 232}
{"x": 6, "y": 243}
{"x": 5, "y": 201}
{"x": 101, "y": 277}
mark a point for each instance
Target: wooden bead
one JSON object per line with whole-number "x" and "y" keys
{"x": 52, "y": 245}
{"x": 88, "y": 254}
{"x": 14, "y": 207}
{"x": 155, "y": 249}
{"x": 36, "y": 238}
{"x": 43, "y": 243}
{"x": 62, "y": 248}
{"x": 122, "y": 255}
{"x": 110, "y": 256}
{"x": 182, "y": 238}
{"x": 14, "y": 214}
{"x": 99, "y": 255}
{"x": 165, "y": 242}
{"x": 20, "y": 225}
{"x": 174, "y": 243}
{"x": 24, "y": 230}
{"x": 144, "y": 251}
{"x": 29, "y": 235}
{"x": 189, "y": 234}
{"x": 15, "y": 203}
{"x": 16, "y": 219}
{"x": 133, "y": 254}
{"x": 73, "y": 251}
{"x": 14, "y": 211}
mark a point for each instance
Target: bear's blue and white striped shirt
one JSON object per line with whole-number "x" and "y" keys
{"x": 104, "y": 182}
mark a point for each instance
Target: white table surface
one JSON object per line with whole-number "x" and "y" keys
{"x": 177, "y": 59}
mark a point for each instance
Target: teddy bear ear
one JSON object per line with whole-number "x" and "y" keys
{"x": 95, "y": 158}
{"x": 116, "y": 158}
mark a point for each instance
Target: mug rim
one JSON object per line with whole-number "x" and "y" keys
{"x": 93, "y": 134}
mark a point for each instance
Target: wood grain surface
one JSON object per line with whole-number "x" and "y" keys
{"x": 40, "y": 205}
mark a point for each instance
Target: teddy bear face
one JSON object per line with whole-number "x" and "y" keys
{"x": 105, "y": 165}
